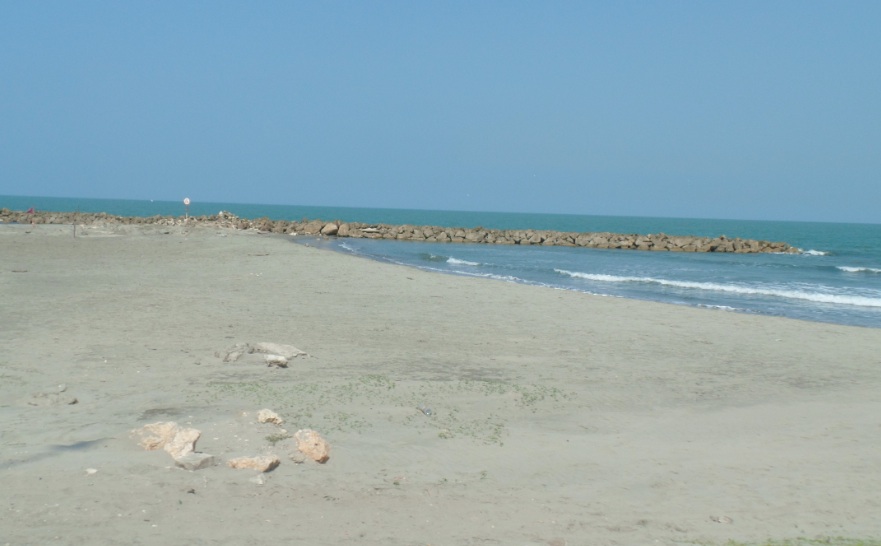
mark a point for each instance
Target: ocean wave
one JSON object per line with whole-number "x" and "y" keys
{"x": 849, "y": 269}
{"x": 506, "y": 278}
{"x": 456, "y": 261}
{"x": 816, "y": 297}
{"x": 719, "y": 307}
{"x": 814, "y": 252}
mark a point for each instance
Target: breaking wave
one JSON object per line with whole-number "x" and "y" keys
{"x": 817, "y": 297}
{"x": 848, "y": 269}
{"x": 456, "y": 261}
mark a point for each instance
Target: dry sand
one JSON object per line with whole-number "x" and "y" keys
{"x": 556, "y": 417}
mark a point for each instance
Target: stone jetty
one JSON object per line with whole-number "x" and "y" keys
{"x": 476, "y": 235}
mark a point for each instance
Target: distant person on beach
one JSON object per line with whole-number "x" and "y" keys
{"x": 31, "y": 213}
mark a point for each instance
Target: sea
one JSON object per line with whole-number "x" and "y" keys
{"x": 836, "y": 278}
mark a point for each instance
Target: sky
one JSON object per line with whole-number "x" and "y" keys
{"x": 741, "y": 109}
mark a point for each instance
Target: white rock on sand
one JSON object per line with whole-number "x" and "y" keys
{"x": 182, "y": 443}
{"x": 177, "y": 441}
{"x": 279, "y": 349}
{"x": 262, "y": 463}
{"x": 311, "y": 444}
{"x": 269, "y": 416}
{"x": 276, "y": 360}
{"x": 156, "y": 435}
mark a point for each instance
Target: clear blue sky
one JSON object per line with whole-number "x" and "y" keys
{"x": 753, "y": 110}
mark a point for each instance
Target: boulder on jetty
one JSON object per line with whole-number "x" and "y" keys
{"x": 477, "y": 235}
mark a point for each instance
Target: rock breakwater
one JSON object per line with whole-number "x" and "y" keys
{"x": 476, "y": 235}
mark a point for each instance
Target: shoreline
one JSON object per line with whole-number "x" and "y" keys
{"x": 556, "y": 417}
{"x": 477, "y": 235}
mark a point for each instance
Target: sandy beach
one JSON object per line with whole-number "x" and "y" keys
{"x": 459, "y": 410}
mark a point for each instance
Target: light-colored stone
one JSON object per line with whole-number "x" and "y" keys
{"x": 313, "y": 227}
{"x": 287, "y": 351}
{"x": 276, "y": 360}
{"x": 269, "y": 416}
{"x": 195, "y": 461}
{"x": 183, "y": 442}
{"x": 156, "y": 435}
{"x": 313, "y": 445}
{"x": 263, "y": 463}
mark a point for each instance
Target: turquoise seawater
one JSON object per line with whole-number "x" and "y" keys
{"x": 836, "y": 279}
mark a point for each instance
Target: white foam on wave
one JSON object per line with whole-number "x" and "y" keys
{"x": 509, "y": 278}
{"x": 506, "y": 278}
{"x": 719, "y": 307}
{"x": 814, "y": 253}
{"x": 818, "y": 297}
{"x": 849, "y": 269}
{"x": 456, "y": 261}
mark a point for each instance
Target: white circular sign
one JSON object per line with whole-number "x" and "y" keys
{"x": 186, "y": 201}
